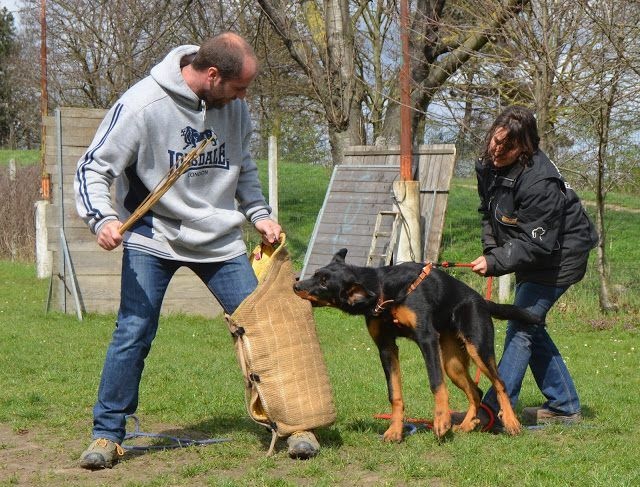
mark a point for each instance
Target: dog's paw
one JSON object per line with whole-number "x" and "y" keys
{"x": 513, "y": 429}
{"x": 467, "y": 426}
{"x": 510, "y": 423}
{"x": 393, "y": 435}
{"x": 442, "y": 425}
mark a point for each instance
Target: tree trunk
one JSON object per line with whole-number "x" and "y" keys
{"x": 331, "y": 73}
{"x": 604, "y": 295}
{"x": 339, "y": 141}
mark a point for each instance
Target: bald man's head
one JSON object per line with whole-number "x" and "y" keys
{"x": 228, "y": 52}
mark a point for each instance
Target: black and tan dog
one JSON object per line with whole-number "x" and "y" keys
{"x": 450, "y": 322}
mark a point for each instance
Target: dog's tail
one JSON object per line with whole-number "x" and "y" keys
{"x": 511, "y": 312}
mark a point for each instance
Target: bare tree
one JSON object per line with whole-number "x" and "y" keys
{"x": 606, "y": 99}
{"x": 320, "y": 40}
{"x": 376, "y": 26}
{"x": 320, "y": 37}
{"x": 97, "y": 51}
{"x": 445, "y": 37}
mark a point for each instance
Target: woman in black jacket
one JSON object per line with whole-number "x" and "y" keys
{"x": 534, "y": 225}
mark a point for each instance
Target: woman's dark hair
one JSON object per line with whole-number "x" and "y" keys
{"x": 522, "y": 132}
{"x": 227, "y": 52}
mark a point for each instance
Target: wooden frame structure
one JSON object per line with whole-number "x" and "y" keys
{"x": 362, "y": 186}
{"x": 91, "y": 270}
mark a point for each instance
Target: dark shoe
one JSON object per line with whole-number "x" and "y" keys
{"x": 489, "y": 422}
{"x": 303, "y": 445}
{"x": 543, "y": 415}
{"x": 102, "y": 453}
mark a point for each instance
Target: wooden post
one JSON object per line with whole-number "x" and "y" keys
{"x": 12, "y": 206}
{"x": 407, "y": 191}
{"x": 59, "y": 200}
{"x": 43, "y": 255}
{"x": 407, "y": 195}
{"x": 45, "y": 179}
{"x": 504, "y": 288}
{"x": 273, "y": 176}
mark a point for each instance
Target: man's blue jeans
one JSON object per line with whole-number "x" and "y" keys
{"x": 530, "y": 345}
{"x": 145, "y": 279}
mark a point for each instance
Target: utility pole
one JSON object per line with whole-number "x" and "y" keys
{"x": 406, "y": 190}
{"x": 44, "y": 102}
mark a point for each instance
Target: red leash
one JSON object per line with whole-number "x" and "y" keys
{"x": 447, "y": 264}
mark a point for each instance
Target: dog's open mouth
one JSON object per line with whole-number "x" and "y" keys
{"x": 315, "y": 300}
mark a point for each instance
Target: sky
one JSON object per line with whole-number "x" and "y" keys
{"x": 12, "y": 6}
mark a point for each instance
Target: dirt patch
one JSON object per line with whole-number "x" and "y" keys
{"x": 27, "y": 458}
{"x": 35, "y": 458}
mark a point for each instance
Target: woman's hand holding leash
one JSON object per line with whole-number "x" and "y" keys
{"x": 479, "y": 266}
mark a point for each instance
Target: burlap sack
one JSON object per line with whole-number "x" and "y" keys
{"x": 287, "y": 385}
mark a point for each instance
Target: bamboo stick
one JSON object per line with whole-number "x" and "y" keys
{"x": 163, "y": 186}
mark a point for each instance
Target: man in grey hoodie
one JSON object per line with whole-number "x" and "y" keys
{"x": 195, "y": 93}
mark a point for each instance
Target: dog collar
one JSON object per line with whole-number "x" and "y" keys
{"x": 380, "y": 305}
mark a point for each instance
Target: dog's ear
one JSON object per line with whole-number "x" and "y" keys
{"x": 358, "y": 294}
{"x": 339, "y": 255}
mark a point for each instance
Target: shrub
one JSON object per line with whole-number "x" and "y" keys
{"x": 17, "y": 199}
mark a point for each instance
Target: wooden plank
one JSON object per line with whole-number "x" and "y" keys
{"x": 94, "y": 260}
{"x": 435, "y": 174}
{"x": 340, "y": 228}
{"x": 345, "y": 240}
{"x": 368, "y": 152}
{"x": 72, "y": 220}
{"x": 100, "y": 293}
{"x": 71, "y": 152}
{"x": 68, "y": 204}
{"x": 81, "y": 139}
{"x": 325, "y": 253}
{"x": 366, "y": 174}
{"x": 78, "y": 239}
{"x": 70, "y": 125}
{"x": 361, "y": 200}
{"x": 335, "y": 218}
{"x": 73, "y": 112}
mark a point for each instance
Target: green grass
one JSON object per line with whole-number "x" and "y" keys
{"x": 22, "y": 157}
{"x": 615, "y": 198}
{"x": 50, "y": 366}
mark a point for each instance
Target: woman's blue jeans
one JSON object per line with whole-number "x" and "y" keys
{"x": 530, "y": 345}
{"x": 145, "y": 279}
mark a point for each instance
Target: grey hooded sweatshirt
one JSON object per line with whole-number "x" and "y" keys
{"x": 151, "y": 127}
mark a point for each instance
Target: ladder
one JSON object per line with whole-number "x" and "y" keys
{"x": 377, "y": 234}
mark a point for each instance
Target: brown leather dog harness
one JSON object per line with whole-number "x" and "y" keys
{"x": 380, "y": 305}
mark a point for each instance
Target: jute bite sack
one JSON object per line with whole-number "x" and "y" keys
{"x": 287, "y": 387}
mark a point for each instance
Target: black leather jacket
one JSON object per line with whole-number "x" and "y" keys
{"x": 533, "y": 223}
